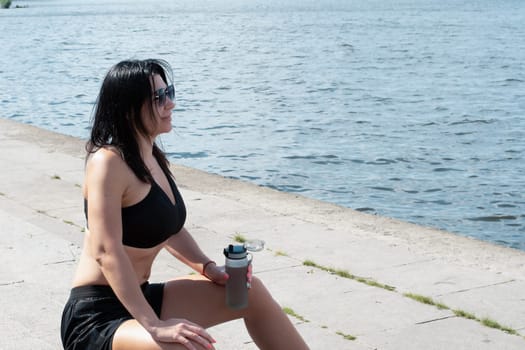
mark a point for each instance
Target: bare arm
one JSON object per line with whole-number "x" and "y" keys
{"x": 106, "y": 175}
{"x": 185, "y": 248}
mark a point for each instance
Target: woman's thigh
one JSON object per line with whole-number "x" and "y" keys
{"x": 198, "y": 300}
{"x": 130, "y": 335}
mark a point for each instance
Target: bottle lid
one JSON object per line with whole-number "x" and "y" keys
{"x": 254, "y": 245}
{"x": 235, "y": 251}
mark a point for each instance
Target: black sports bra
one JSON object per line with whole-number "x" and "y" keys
{"x": 152, "y": 220}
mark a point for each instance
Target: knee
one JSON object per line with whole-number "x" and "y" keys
{"x": 257, "y": 286}
{"x": 259, "y": 294}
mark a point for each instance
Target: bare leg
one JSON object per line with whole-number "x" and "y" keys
{"x": 200, "y": 301}
{"x": 268, "y": 325}
{"x": 132, "y": 336}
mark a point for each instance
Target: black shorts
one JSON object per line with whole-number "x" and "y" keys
{"x": 93, "y": 313}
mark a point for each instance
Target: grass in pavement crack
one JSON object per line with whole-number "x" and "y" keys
{"x": 426, "y": 300}
{"x": 346, "y": 274}
{"x": 239, "y": 238}
{"x": 493, "y": 324}
{"x": 464, "y": 314}
{"x": 291, "y": 312}
{"x": 346, "y": 336}
{"x": 420, "y": 298}
{"x": 460, "y": 313}
{"x": 280, "y": 253}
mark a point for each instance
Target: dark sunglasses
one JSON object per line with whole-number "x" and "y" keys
{"x": 161, "y": 94}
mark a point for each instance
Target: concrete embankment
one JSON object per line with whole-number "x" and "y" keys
{"x": 349, "y": 280}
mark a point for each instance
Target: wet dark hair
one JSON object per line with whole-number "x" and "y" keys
{"x": 117, "y": 118}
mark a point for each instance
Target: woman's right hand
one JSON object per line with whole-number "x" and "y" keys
{"x": 189, "y": 334}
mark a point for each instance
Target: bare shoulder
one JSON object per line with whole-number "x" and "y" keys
{"x": 105, "y": 168}
{"x": 106, "y": 160}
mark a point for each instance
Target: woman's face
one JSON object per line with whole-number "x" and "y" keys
{"x": 162, "y": 107}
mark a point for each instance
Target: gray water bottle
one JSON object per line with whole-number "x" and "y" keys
{"x": 237, "y": 261}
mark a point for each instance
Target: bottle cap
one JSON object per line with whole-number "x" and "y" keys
{"x": 235, "y": 251}
{"x": 254, "y": 245}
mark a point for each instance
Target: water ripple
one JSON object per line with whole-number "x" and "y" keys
{"x": 364, "y": 105}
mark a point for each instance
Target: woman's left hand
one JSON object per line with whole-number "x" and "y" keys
{"x": 217, "y": 274}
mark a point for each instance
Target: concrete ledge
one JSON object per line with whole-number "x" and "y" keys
{"x": 41, "y": 223}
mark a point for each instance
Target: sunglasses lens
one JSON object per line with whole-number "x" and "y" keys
{"x": 170, "y": 91}
{"x": 161, "y": 94}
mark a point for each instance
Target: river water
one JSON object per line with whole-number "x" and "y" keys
{"x": 413, "y": 109}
